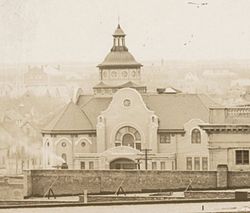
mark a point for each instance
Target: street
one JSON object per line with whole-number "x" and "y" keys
{"x": 159, "y": 208}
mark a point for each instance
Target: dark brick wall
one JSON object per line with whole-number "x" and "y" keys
{"x": 239, "y": 179}
{"x": 11, "y": 188}
{"x": 108, "y": 198}
{"x": 209, "y": 195}
{"x": 65, "y": 182}
{"x": 72, "y": 182}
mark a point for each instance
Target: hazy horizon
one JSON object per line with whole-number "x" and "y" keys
{"x": 81, "y": 30}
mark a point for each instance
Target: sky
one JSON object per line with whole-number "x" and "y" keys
{"x": 81, "y": 30}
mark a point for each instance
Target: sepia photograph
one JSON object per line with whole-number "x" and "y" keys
{"x": 114, "y": 106}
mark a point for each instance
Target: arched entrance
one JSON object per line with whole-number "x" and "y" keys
{"x": 122, "y": 163}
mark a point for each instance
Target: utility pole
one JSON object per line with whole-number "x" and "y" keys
{"x": 146, "y": 157}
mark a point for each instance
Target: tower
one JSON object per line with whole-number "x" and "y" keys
{"x": 119, "y": 68}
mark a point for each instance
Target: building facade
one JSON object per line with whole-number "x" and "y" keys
{"x": 122, "y": 126}
{"x": 229, "y": 137}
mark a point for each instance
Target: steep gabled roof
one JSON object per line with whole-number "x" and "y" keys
{"x": 71, "y": 118}
{"x": 94, "y": 107}
{"x": 173, "y": 110}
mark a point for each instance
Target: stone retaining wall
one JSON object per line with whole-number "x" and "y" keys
{"x": 73, "y": 182}
{"x": 209, "y": 195}
{"x": 11, "y": 188}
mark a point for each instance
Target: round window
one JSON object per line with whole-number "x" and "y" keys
{"x": 114, "y": 74}
{"x": 83, "y": 144}
{"x": 126, "y": 102}
{"x": 63, "y": 144}
{"x": 124, "y": 74}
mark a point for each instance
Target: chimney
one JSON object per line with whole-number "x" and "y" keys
{"x": 160, "y": 90}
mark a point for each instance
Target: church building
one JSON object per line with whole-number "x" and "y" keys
{"x": 123, "y": 126}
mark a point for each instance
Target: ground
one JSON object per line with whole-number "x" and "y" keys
{"x": 159, "y": 208}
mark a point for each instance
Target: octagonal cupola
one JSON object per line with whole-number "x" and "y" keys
{"x": 119, "y": 66}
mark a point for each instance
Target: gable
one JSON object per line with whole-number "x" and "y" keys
{"x": 71, "y": 118}
{"x": 173, "y": 110}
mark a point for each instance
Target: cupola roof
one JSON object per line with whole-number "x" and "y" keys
{"x": 119, "y": 56}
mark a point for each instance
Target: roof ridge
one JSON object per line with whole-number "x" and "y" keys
{"x": 82, "y": 111}
{"x": 62, "y": 113}
{"x": 81, "y": 108}
{"x": 202, "y": 101}
{"x": 87, "y": 117}
{"x": 90, "y": 99}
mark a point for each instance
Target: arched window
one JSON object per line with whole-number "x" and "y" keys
{"x": 64, "y": 157}
{"x": 127, "y": 129}
{"x": 128, "y": 136}
{"x": 196, "y": 136}
{"x": 128, "y": 140}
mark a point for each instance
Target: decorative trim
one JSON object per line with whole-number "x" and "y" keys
{"x": 118, "y": 93}
{"x": 218, "y": 128}
{"x": 63, "y": 138}
{"x": 119, "y": 126}
{"x": 176, "y": 131}
{"x": 119, "y": 66}
{"x": 67, "y": 132}
{"x": 83, "y": 139}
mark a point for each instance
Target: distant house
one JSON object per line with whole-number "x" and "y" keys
{"x": 5, "y": 138}
{"x": 15, "y": 116}
{"x": 5, "y": 89}
{"x": 35, "y": 76}
{"x": 47, "y": 81}
{"x": 30, "y": 129}
{"x": 18, "y": 151}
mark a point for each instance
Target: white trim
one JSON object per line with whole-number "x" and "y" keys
{"x": 127, "y": 157}
{"x": 128, "y": 133}
{"x": 130, "y": 90}
{"x": 122, "y": 135}
{"x": 47, "y": 138}
{"x": 83, "y": 139}
{"x": 190, "y": 133}
{"x": 63, "y": 138}
{"x": 196, "y": 127}
{"x": 197, "y": 120}
{"x": 120, "y": 152}
{"x": 76, "y": 143}
{"x": 119, "y": 126}
{"x": 194, "y": 123}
